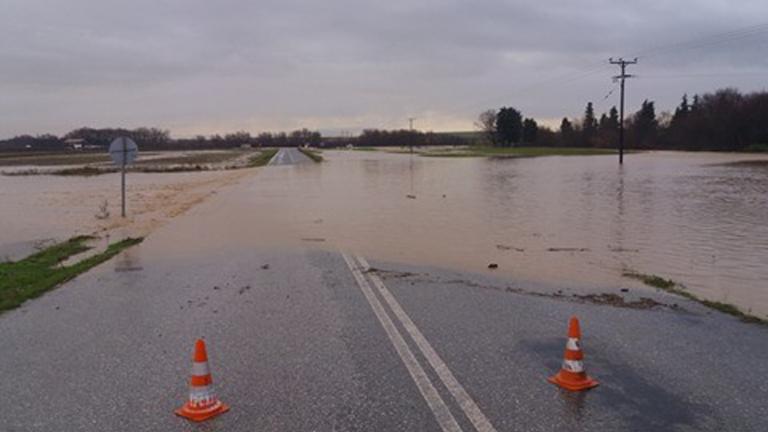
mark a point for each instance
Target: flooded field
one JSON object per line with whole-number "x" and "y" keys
{"x": 36, "y": 210}
{"x": 578, "y": 222}
{"x": 572, "y": 221}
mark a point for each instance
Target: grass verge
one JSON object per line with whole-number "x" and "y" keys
{"x": 517, "y": 152}
{"x": 262, "y": 158}
{"x": 312, "y": 154}
{"x": 52, "y": 159}
{"x": 192, "y": 162}
{"x": 678, "y": 289}
{"x": 42, "y": 271}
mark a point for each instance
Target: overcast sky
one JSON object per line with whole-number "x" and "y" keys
{"x": 201, "y": 66}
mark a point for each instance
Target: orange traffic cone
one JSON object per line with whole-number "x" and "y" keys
{"x": 203, "y": 403}
{"x": 572, "y": 375}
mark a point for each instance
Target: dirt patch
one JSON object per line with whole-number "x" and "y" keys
{"x": 602, "y": 299}
{"x": 390, "y": 274}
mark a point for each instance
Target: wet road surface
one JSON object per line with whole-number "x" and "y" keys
{"x": 289, "y": 156}
{"x": 304, "y": 339}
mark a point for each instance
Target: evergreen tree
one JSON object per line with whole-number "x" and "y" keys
{"x": 696, "y": 104}
{"x": 566, "y": 132}
{"x": 589, "y": 126}
{"x": 509, "y": 126}
{"x": 530, "y": 131}
{"x": 608, "y": 129}
{"x": 645, "y": 125}
{"x": 603, "y": 123}
{"x": 681, "y": 112}
{"x": 613, "y": 119}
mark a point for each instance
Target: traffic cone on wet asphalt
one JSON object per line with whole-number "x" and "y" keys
{"x": 203, "y": 403}
{"x": 572, "y": 375}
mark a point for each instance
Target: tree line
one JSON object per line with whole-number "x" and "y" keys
{"x": 400, "y": 138}
{"x": 506, "y": 127}
{"x": 160, "y": 139}
{"x": 725, "y": 120}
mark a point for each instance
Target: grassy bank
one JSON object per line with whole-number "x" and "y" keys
{"x": 262, "y": 158}
{"x": 188, "y": 157}
{"x": 678, "y": 289}
{"x": 189, "y": 162}
{"x": 516, "y": 152}
{"x": 43, "y": 271}
{"x": 52, "y": 159}
{"x": 312, "y": 154}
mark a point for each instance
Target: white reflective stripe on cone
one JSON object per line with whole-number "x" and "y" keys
{"x": 575, "y": 366}
{"x": 573, "y": 344}
{"x": 201, "y": 393}
{"x": 200, "y": 369}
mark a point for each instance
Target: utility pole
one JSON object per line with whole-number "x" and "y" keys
{"x": 623, "y": 64}
{"x": 122, "y": 171}
{"x": 410, "y": 127}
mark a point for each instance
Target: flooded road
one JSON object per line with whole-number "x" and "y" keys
{"x": 579, "y": 222}
{"x": 576, "y": 222}
{"x": 303, "y": 338}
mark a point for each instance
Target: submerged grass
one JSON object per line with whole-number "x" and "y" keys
{"x": 43, "y": 271}
{"x": 518, "y": 152}
{"x": 678, "y": 289}
{"x": 262, "y": 158}
{"x": 52, "y": 159}
{"x": 312, "y": 154}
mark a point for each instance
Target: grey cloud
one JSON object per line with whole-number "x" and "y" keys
{"x": 201, "y": 66}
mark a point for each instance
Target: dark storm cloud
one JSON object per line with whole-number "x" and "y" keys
{"x": 201, "y": 66}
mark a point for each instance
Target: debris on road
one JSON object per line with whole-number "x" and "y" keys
{"x": 505, "y": 248}
{"x": 619, "y": 301}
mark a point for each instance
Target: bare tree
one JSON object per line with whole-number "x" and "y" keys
{"x": 486, "y": 122}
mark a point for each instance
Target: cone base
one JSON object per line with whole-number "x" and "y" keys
{"x": 583, "y": 384}
{"x": 198, "y": 415}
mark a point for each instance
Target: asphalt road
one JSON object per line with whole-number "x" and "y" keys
{"x": 302, "y": 340}
{"x": 289, "y": 156}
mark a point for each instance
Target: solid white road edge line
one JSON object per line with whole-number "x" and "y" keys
{"x": 442, "y": 414}
{"x": 473, "y": 412}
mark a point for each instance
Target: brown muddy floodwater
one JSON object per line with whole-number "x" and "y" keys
{"x": 574, "y": 221}
{"x": 41, "y": 209}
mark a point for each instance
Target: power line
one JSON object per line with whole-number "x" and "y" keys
{"x": 705, "y": 41}
{"x": 721, "y": 38}
{"x": 702, "y": 75}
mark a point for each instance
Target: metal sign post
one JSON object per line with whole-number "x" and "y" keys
{"x": 123, "y": 152}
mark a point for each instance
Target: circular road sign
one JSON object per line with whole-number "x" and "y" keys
{"x": 123, "y": 151}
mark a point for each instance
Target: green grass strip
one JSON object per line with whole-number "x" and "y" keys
{"x": 43, "y": 271}
{"x": 517, "y": 152}
{"x": 262, "y": 158}
{"x": 314, "y": 155}
{"x": 678, "y": 289}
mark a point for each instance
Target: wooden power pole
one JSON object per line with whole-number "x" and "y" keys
{"x": 623, "y": 65}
